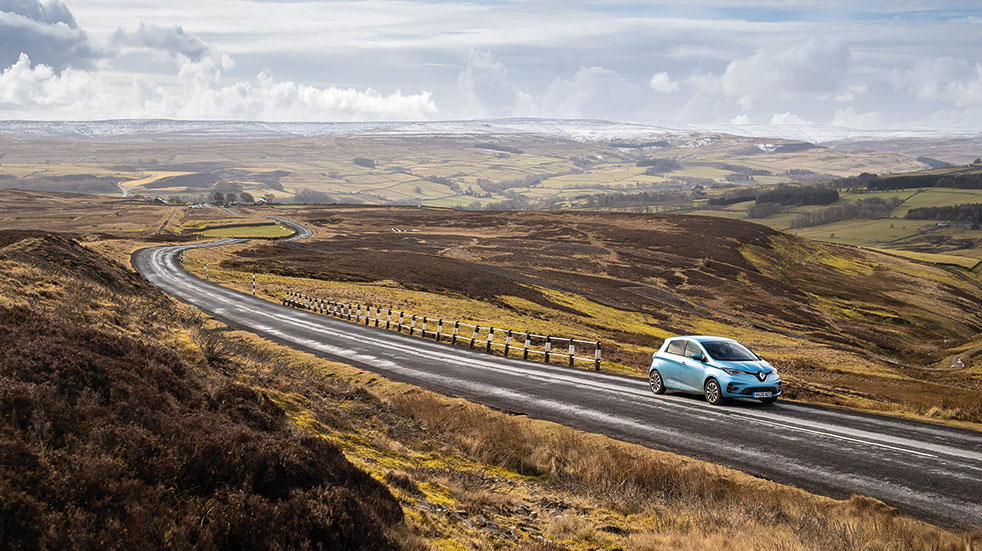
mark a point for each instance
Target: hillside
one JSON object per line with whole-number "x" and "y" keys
{"x": 128, "y": 421}
{"x": 823, "y": 313}
{"x": 110, "y": 438}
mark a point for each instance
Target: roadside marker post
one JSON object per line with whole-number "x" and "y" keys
{"x": 507, "y": 342}
{"x": 474, "y": 336}
{"x": 253, "y": 283}
{"x": 456, "y": 329}
{"x": 525, "y": 347}
{"x": 548, "y": 348}
{"x": 439, "y": 329}
{"x": 490, "y": 340}
{"x": 596, "y": 361}
{"x": 399, "y": 327}
{"x": 572, "y": 349}
{"x": 422, "y": 332}
{"x": 206, "y": 270}
{"x": 388, "y": 318}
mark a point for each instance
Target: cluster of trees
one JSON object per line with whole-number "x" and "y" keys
{"x": 872, "y": 208}
{"x": 313, "y": 197}
{"x": 362, "y": 161}
{"x": 909, "y": 181}
{"x": 732, "y": 198}
{"x": 72, "y": 183}
{"x": 496, "y": 147}
{"x": 966, "y": 212}
{"x": 763, "y": 210}
{"x": 606, "y": 200}
{"x": 658, "y": 166}
{"x": 799, "y": 195}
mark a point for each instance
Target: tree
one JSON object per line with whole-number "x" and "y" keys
{"x": 269, "y": 197}
{"x": 977, "y": 161}
{"x": 218, "y": 198}
{"x": 230, "y": 198}
{"x": 247, "y": 197}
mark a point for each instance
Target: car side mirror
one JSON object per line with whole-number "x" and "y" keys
{"x": 699, "y": 356}
{"x": 758, "y": 356}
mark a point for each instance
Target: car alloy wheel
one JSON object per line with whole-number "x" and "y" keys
{"x": 654, "y": 380}
{"x": 714, "y": 394}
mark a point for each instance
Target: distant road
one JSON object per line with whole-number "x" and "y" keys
{"x": 931, "y": 472}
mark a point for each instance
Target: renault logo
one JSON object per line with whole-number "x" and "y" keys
{"x": 762, "y": 375}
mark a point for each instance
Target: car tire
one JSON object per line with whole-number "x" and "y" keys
{"x": 714, "y": 394}
{"x": 770, "y": 400}
{"x": 655, "y": 382}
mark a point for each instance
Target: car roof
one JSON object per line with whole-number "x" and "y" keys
{"x": 702, "y": 338}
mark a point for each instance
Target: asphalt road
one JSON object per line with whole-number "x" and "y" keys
{"x": 931, "y": 472}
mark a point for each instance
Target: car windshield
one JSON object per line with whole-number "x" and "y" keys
{"x": 728, "y": 351}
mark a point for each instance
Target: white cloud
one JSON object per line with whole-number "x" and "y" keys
{"x": 592, "y": 92}
{"x": 849, "y": 118}
{"x": 814, "y": 67}
{"x": 46, "y": 32}
{"x": 22, "y": 85}
{"x": 741, "y": 120}
{"x": 943, "y": 79}
{"x": 788, "y": 118}
{"x": 661, "y": 82}
{"x": 171, "y": 40}
{"x": 488, "y": 90}
{"x": 81, "y": 95}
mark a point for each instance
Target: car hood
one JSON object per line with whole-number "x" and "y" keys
{"x": 750, "y": 367}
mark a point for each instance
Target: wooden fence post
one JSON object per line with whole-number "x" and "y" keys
{"x": 525, "y": 347}
{"x": 548, "y": 347}
{"x": 456, "y": 328}
{"x": 507, "y": 342}
{"x": 596, "y": 364}
{"x": 490, "y": 339}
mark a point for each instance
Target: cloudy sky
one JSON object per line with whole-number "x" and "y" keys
{"x": 892, "y": 64}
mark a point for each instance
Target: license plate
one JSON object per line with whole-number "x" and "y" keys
{"x": 763, "y": 394}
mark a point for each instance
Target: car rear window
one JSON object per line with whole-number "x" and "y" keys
{"x": 676, "y": 347}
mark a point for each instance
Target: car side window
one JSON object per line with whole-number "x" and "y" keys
{"x": 691, "y": 349}
{"x": 676, "y": 347}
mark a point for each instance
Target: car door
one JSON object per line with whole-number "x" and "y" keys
{"x": 670, "y": 362}
{"x": 692, "y": 371}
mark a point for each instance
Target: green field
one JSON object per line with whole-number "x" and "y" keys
{"x": 867, "y": 233}
{"x": 267, "y": 231}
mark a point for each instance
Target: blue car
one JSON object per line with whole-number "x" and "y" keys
{"x": 718, "y": 367}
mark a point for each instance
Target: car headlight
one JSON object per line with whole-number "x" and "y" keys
{"x": 729, "y": 371}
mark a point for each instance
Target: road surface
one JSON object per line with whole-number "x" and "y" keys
{"x": 931, "y": 472}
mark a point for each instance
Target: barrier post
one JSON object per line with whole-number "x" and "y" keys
{"x": 548, "y": 348}
{"x": 368, "y": 314}
{"x": 399, "y": 328}
{"x": 596, "y": 362}
{"x": 439, "y": 329}
{"x": 422, "y": 332}
{"x": 507, "y": 342}
{"x": 490, "y": 339}
{"x": 358, "y": 314}
{"x": 456, "y": 328}
{"x": 206, "y": 269}
{"x": 285, "y": 295}
{"x": 525, "y": 347}
{"x": 388, "y": 319}
{"x": 474, "y": 336}
{"x": 253, "y": 283}
{"x": 378, "y": 314}
{"x": 412, "y": 325}
{"x": 572, "y": 351}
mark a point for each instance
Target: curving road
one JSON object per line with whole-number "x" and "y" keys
{"x": 930, "y": 472}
